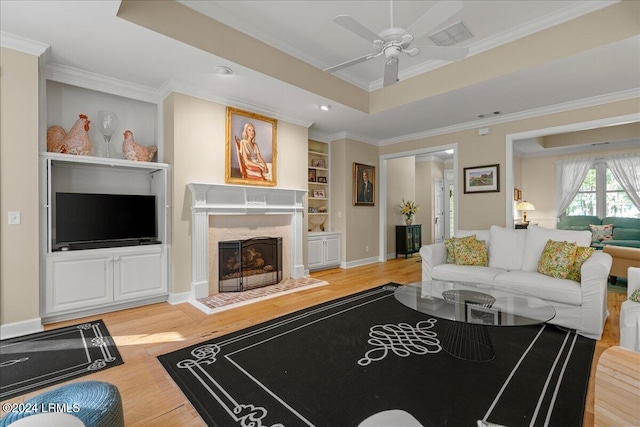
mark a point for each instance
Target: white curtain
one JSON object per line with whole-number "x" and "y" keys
{"x": 626, "y": 169}
{"x": 569, "y": 177}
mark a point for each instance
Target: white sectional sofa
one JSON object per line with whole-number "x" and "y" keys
{"x": 513, "y": 260}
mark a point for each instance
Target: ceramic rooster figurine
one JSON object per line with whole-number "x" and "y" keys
{"x": 75, "y": 142}
{"x": 133, "y": 151}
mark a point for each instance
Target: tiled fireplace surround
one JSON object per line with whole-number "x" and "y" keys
{"x": 243, "y": 202}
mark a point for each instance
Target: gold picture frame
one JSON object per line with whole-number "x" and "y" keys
{"x": 364, "y": 195}
{"x": 250, "y": 160}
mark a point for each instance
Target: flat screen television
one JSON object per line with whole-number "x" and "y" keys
{"x": 84, "y": 218}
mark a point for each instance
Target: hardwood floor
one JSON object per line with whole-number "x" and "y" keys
{"x": 151, "y": 398}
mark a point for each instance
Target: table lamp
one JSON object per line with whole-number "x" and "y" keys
{"x": 525, "y": 206}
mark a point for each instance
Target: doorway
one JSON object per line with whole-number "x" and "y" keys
{"x": 386, "y": 206}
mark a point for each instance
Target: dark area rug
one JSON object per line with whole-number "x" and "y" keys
{"x": 36, "y": 361}
{"x": 338, "y": 363}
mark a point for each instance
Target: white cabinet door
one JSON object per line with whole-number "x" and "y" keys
{"x": 316, "y": 252}
{"x": 77, "y": 281}
{"x": 332, "y": 250}
{"x": 139, "y": 273}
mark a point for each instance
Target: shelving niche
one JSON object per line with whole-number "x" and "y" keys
{"x": 324, "y": 245}
{"x": 77, "y": 283}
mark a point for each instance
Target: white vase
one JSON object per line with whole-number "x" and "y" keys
{"x": 408, "y": 221}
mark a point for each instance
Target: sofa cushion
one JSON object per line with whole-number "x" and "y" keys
{"x": 557, "y": 259}
{"x": 621, "y": 222}
{"x": 465, "y": 273}
{"x": 470, "y": 252}
{"x": 577, "y": 222}
{"x": 601, "y": 232}
{"x": 627, "y": 243}
{"x": 541, "y": 286}
{"x": 506, "y": 248}
{"x": 582, "y": 254}
{"x": 620, "y": 233}
{"x": 537, "y": 237}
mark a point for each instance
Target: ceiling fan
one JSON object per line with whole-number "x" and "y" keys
{"x": 396, "y": 40}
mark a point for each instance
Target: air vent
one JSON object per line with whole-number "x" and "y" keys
{"x": 456, "y": 33}
{"x": 485, "y": 115}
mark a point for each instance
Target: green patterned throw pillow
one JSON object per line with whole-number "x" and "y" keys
{"x": 470, "y": 252}
{"x": 557, "y": 259}
{"x": 601, "y": 232}
{"x": 582, "y": 254}
{"x": 450, "y": 245}
{"x": 635, "y": 296}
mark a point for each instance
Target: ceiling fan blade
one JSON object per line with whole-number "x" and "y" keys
{"x": 355, "y": 27}
{"x": 352, "y": 62}
{"x": 390, "y": 72}
{"x": 435, "y": 16}
{"x": 444, "y": 53}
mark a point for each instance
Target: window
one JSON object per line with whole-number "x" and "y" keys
{"x": 601, "y": 195}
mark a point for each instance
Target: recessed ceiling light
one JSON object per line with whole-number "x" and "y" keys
{"x": 223, "y": 71}
{"x": 449, "y": 151}
{"x": 325, "y": 107}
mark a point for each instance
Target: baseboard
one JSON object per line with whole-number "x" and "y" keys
{"x": 18, "y": 329}
{"x": 360, "y": 262}
{"x": 179, "y": 298}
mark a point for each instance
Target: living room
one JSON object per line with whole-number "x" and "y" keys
{"x": 193, "y": 143}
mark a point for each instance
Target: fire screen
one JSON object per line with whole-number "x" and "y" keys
{"x": 249, "y": 264}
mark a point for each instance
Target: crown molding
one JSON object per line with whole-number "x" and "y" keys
{"x": 212, "y": 96}
{"x": 98, "y": 82}
{"x": 319, "y": 136}
{"x": 22, "y": 44}
{"x": 536, "y": 112}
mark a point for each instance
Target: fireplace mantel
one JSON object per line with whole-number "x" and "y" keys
{"x": 220, "y": 199}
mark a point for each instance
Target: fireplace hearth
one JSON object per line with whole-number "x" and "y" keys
{"x": 249, "y": 264}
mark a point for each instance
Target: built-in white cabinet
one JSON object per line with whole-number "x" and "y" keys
{"x": 324, "y": 250}
{"x": 96, "y": 279}
{"x": 80, "y": 278}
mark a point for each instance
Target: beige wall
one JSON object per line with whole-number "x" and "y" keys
{"x": 195, "y": 136}
{"x": 19, "y": 244}
{"x": 359, "y": 224}
{"x": 401, "y": 184}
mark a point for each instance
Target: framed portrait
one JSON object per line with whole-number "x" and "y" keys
{"x": 322, "y": 179}
{"x": 364, "y": 184}
{"x": 318, "y": 193}
{"x": 482, "y": 179}
{"x": 318, "y": 163}
{"x": 312, "y": 175}
{"x": 251, "y": 149}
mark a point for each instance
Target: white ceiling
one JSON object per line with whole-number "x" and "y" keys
{"x": 87, "y": 35}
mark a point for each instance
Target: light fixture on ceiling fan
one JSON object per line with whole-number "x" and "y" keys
{"x": 396, "y": 40}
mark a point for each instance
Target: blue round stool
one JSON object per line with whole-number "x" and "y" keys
{"x": 95, "y": 403}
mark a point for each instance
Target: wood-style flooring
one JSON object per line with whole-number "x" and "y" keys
{"x": 151, "y": 398}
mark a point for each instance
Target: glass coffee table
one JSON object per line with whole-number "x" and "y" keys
{"x": 472, "y": 308}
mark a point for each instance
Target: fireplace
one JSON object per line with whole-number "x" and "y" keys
{"x": 249, "y": 264}
{"x": 225, "y": 201}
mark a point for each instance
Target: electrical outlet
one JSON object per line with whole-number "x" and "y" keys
{"x": 14, "y": 217}
{"x": 366, "y": 248}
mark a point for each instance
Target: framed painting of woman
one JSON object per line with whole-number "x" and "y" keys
{"x": 251, "y": 149}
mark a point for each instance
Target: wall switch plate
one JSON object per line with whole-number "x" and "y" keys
{"x": 14, "y": 217}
